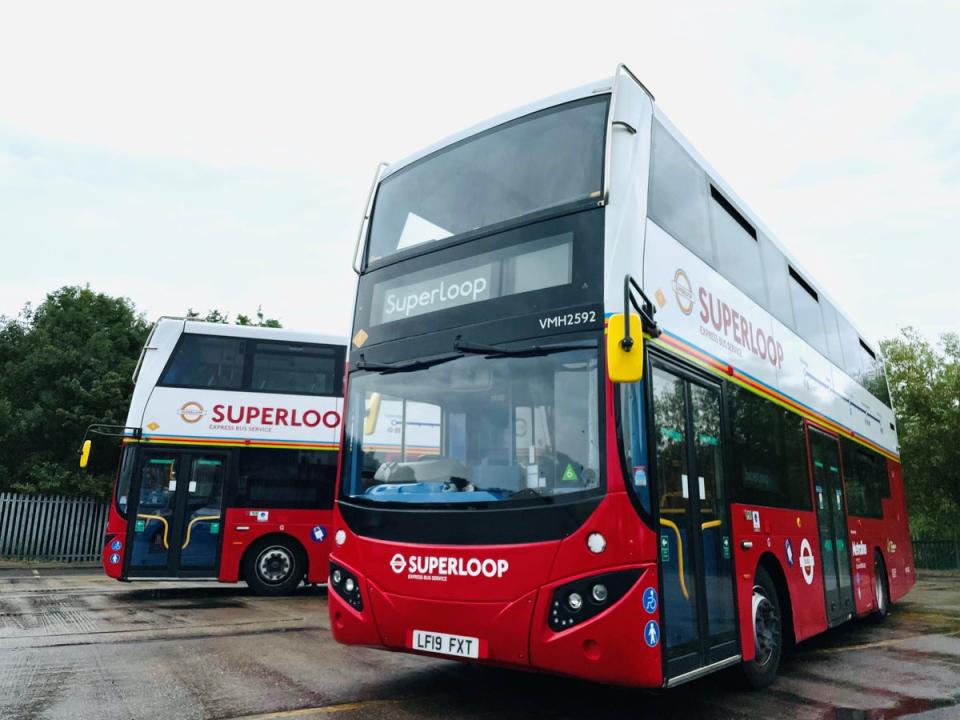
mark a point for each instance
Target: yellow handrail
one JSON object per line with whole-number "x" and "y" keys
{"x": 197, "y": 519}
{"x": 166, "y": 527}
{"x": 673, "y": 526}
{"x": 710, "y": 524}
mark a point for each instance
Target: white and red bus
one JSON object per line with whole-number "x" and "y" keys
{"x": 229, "y": 457}
{"x": 637, "y": 502}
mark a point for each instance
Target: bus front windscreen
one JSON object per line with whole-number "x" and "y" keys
{"x": 475, "y": 430}
{"x": 540, "y": 161}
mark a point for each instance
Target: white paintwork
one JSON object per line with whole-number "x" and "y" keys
{"x": 194, "y": 413}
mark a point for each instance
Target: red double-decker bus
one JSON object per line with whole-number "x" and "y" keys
{"x": 228, "y": 458}
{"x": 633, "y": 439}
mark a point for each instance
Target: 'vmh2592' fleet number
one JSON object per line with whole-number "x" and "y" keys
{"x": 568, "y": 319}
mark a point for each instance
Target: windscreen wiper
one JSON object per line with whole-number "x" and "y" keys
{"x": 364, "y": 364}
{"x": 464, "y": 347}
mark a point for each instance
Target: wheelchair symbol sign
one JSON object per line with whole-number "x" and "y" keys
{"x": 650, "y": 600}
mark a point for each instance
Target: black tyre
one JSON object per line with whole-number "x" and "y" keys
{"x": 274, "y": 566}
{"x": 881, "y": 589}
{"x": 767, "y": 633}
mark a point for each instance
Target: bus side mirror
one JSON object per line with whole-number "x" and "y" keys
{"x": 373, "y": 414}
{"x": 624, "y": 355}
{"x": 85, "y": 453}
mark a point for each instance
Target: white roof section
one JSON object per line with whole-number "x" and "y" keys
{"x": 201, "y": 327}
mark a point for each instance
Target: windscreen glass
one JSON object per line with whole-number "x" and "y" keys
{"x": 537, "y": 162}
{"x": 475, "y": 430}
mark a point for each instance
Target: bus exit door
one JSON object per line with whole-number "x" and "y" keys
{"x": 695, "y": 551}
{"x": 175, "y": 517}
{"x": 832, "y": 525}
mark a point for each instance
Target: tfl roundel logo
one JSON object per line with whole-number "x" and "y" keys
{"x": 397, "y": 563}
{"x": 683, "y": 291}
{"x": 191, "y": 412}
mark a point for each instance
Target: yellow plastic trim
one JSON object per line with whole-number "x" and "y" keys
{"x": 624, "y": 366}
{"x": 166, "y": 527}
{"x": 199, "y": 518}
{"x": 676, "y": 531}
{"x": 85, "y": 453}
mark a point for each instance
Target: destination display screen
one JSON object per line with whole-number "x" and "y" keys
{"x": 535, "y": 265}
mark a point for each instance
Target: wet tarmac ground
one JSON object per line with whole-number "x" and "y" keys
{"x": 77, "y": 645}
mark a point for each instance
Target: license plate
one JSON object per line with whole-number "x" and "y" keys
{"x": 445, "y": 644}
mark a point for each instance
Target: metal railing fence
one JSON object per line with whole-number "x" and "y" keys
{"x": 937, "y": 554}
{"x": 57, "y": 527}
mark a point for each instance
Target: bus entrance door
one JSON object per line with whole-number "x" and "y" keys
{"x": 694, "y": 545}
{"x": 832, "y": 525}
{"x": 175, "y": 516}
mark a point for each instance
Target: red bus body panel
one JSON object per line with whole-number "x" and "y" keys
{"x": 298, "y": 524}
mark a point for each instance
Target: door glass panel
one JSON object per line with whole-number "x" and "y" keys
{"x": 676, "y": 560}
{"x": 714, "y": 523}
{"x": 831, "y": 523}
{"x": 202, "y": 516}
{"x": 150, "y": 544}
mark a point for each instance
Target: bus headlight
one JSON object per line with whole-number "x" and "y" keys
{"x": 345, "y": 584}
{"x": 568, "y": 606}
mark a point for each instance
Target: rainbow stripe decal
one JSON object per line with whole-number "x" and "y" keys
{"x": 232, "y": 442}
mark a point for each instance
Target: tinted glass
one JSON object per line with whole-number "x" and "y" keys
{"x": 534, "y": 163}
{"x": 807, "y": 316}
{"x": 124, "y": 477}
{"x": 635, "y": 439}
{"x": 295, "y": 369}
{"x": 831, "y": 333}
{"x": 285, "y": 479}
{"x": 770, "y": 464}
{"x": 738, "y": 254}
{"x": 777, "y": 275}
{"x": 205, "y": 361}
{"x": 678, "y": 194}
{"x": 850, "y": 345}
{"x": 866, "y": 480}
{"x": 475, "y": 430}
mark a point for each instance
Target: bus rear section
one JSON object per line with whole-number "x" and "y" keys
{"x": 228, "y": 459}
{"x": 598, "y": 422}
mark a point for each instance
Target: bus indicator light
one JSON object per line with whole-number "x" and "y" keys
{"x": 596, "y": 543}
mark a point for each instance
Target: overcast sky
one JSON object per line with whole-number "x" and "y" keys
{"x": 203, "y": 155}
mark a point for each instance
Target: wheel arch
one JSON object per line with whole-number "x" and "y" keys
{"x": 769, "y": 562}
{"x": 270, "y": 537}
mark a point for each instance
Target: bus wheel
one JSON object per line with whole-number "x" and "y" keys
{"x": 274, "y": 566}
{"x": 767, "y": 633}
{"x": 881, "y": 591}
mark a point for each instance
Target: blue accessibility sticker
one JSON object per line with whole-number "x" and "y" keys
{"x": 319, "y": 533}
{"x": 651, "y": 633}
{"x": 650, "y": 600}
{"x": 788, "y": 549}
{"x": 114, "y": 559}
{"x": 116, "y": 545}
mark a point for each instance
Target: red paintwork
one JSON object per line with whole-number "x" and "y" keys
{"x": 116, "y": 530}
{"x": 510, "y": 613}
{"x": 295, "y": 523}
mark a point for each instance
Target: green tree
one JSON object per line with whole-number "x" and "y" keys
{"x": 215, "y": 316}
{"x": 63, "y": 366}
{"x": 924, "y": 380}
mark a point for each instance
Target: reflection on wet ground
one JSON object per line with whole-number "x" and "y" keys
{"x": 82, "y": 646}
